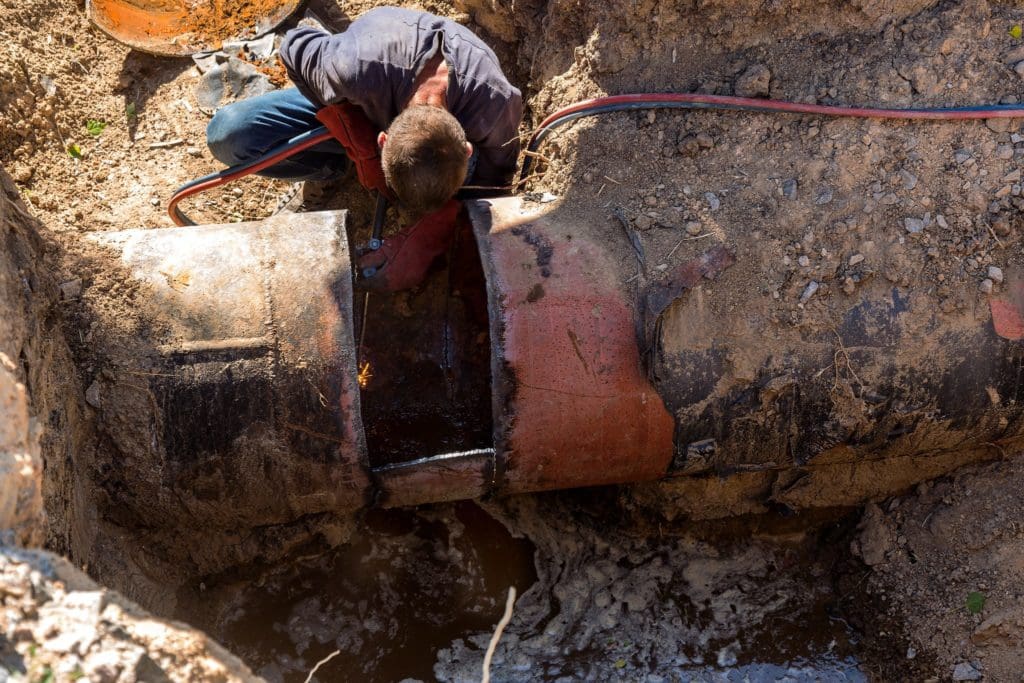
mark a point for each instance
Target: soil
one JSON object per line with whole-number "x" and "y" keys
{"x": 97, "y": 137}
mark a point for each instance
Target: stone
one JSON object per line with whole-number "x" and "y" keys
{"x": 849, "y": 285}
{"x": 986, "y": 286}
{"x": 789, "y": 188}
{"x": 1019, "y": 69}
{"x": 908, "y": 178}
{"x": 72, "y": 289}
{"x": 705, "y": 141}
{"x": 688, "y": 145}
{"x": 856, "y": 258}
{"x": 995, "y": 274}
{"x": 961, "y": 156}
{"x": 804, "y": 261}
{"x": 1004, "y": 152}
{"x": 712, "y": 200}
{"x": 92, "y": 394}
{"x": 965, "y": 672}
{"x": 693, "y": 228}
{"x": 999, "y": 125}
{"x": 809, "y": 291}
{"x": 913, "y": 225}
{"x": 754, "y": 81}
{"x": 940, "y": 220}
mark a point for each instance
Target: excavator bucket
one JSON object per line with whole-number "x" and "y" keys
{"x": 184, "y": 27}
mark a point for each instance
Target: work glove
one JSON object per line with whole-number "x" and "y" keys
{"x": 403, "y": 259}
{"x": 348, "y": 123}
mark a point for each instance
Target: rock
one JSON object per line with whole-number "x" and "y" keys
{"x": 92, "y": 394}
{"x": 712, "y": 200}
{"x": 804, "y": 261}
{"x": 965, "y": 672}
{"x": 643, "y": 222}
{"x": 913, "y": 225}
{"x": 789, "y": 188}
{"x": 986, "y": 286}
{"x": 693, "y": 228}
{"x": 754, "y": 81}
{"x": 688, "y": 145}
{"x": 824, "y": 196}
{"x": 999, "y": 125}
{"x": 1012, "y": 177}
{"x": 651, "y": 200}
{"x": 855, "y": 259}
{"x": 104, "y": 667}
{"x": 849, "y": 285}
{"x": 72, "y": 289}
{"x": 809, "y": 291}
{"x": 705, "y": 141}
{"x": 22, "y": 173}
{"x": 995, "y": 274}
{"x": 961, "y": 156}
{"x": 940, "y": 220}
{"x": 1004, "y": 152}
{"x": 1019, "y": 68}
{"x": 908, "y": 178}
{"x": 1003, "y": 629}
{"x": 875, "y": 538}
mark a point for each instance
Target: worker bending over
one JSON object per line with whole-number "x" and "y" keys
{"x": 417, "y": 102}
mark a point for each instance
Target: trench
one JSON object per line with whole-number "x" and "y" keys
{"x": 610, "y": 587}
{"x": 414, "y": 593}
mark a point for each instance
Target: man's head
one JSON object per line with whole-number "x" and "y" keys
{"x": 425, "y": 156}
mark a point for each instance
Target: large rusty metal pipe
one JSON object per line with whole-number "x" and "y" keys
{"x": 239, "y": 373}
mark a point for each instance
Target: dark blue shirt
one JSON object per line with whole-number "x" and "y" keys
{"x": 374, "y": 62}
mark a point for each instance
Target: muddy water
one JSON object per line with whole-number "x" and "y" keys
{"x": 408, "y": 585}
{"x": 416, "y": 594}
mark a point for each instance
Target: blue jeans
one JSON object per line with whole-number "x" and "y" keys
{"x": 244, "y": 130}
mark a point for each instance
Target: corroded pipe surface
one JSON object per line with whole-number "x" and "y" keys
{"x": 180, "y": 28}
{"x": 237, "y": 374}
{"x": 230, "y": 394}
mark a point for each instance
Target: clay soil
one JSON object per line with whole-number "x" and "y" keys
{"x": 96, "y": 137}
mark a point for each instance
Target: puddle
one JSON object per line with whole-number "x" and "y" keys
{"x": 408, "y": 585}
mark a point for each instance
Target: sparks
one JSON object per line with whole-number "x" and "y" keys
{"x": 364, "y": 374}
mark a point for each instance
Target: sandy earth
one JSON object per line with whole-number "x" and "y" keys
{"x": 930, "y": 208}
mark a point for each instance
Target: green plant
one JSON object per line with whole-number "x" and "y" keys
{"x": 95, "y": 127}
{"x": 130, "y": 112}
{"x": 975, "y": 602}
{"x": 74, "y": 151}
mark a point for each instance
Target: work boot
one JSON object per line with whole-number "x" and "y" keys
{"x": 311, "y": 195}
{"x": 403, "y": 259}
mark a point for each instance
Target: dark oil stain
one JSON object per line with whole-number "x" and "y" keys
{"x": 541, "y": 245}
{"x": 535, "y": 294}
